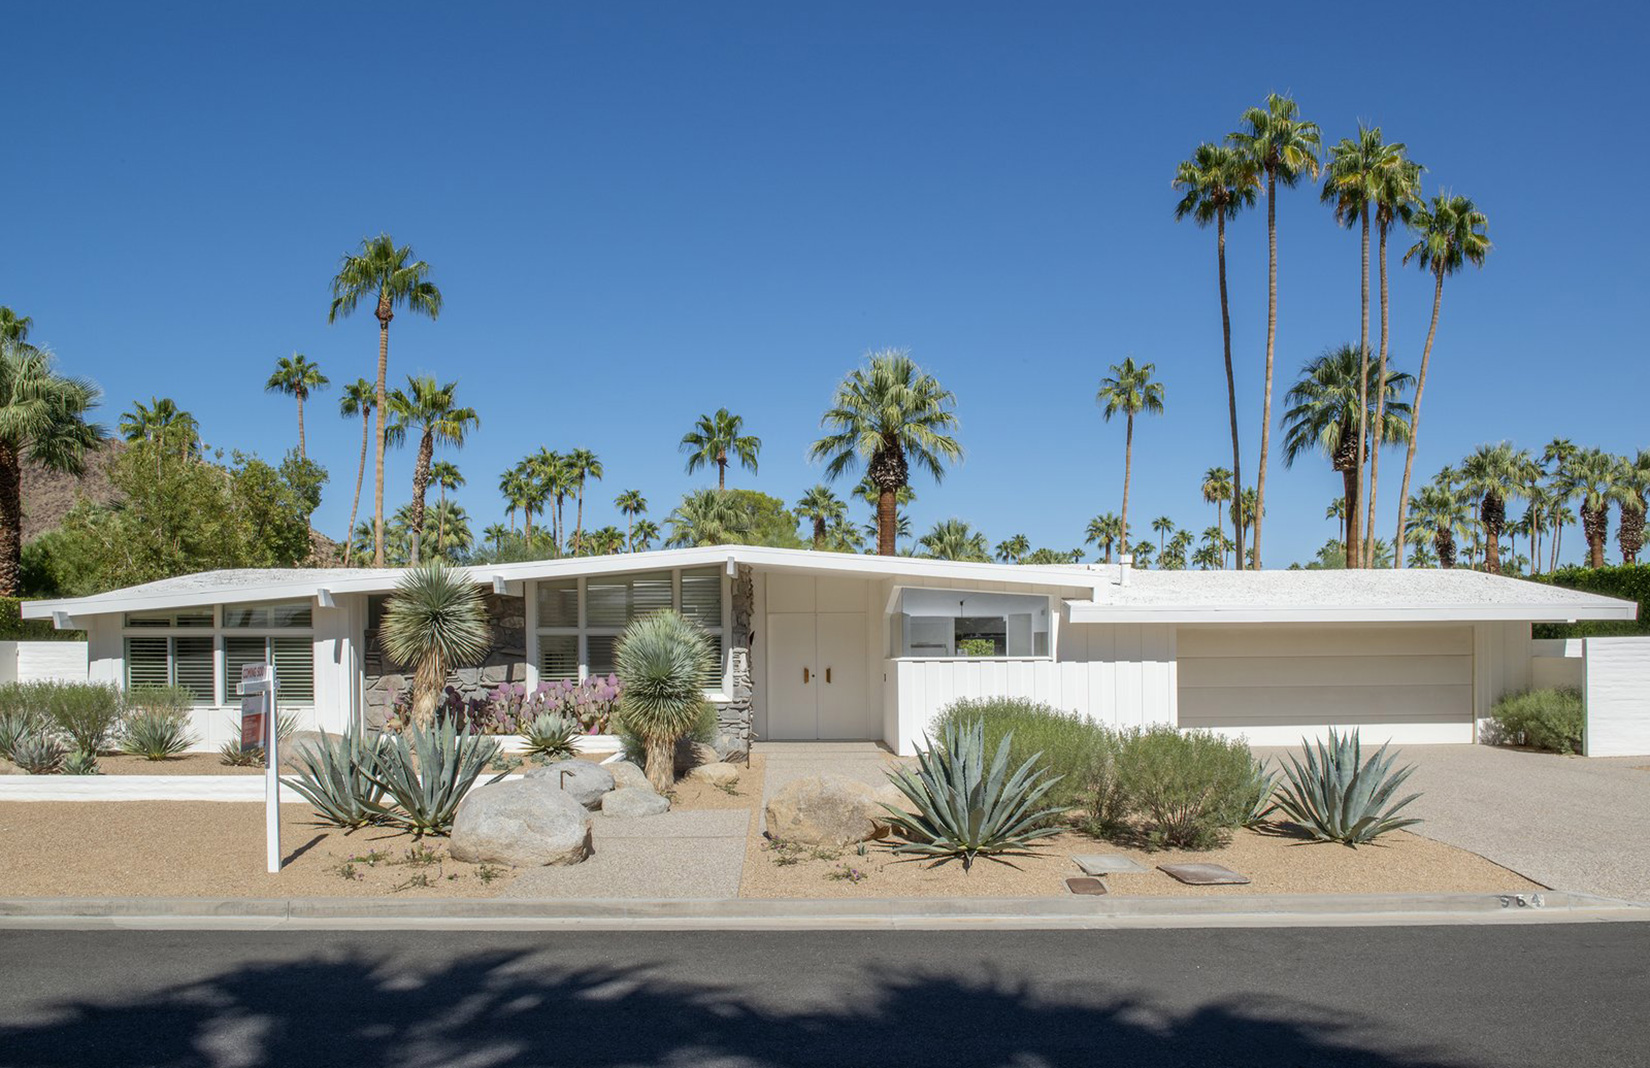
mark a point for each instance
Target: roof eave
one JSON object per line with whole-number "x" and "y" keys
{"x": 1084, "y": 612}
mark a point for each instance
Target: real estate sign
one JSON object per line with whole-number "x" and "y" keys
{"x": 258, "y": 731}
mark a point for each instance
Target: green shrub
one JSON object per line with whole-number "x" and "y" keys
{"x": 333, "y": 776}
{"x": 173, "y": 700}
{"x": 1190, "y": 789}
{"x": 1630, "y": 582}
{"x": 1078, "y": 751}
{"x": 39, "y": 754}
{"x": 14, "y": 628}
{"x": 550, "y": 735}
{"x": 1339, "y": 797}
{"x": 634, "y": 750}
{"x": 155, "y": 734}
{"x": 426, "y": 773}
{"x": 87, "y": 713}
{"x": 967, "y": 806}
{"x": 1542, "y": 719}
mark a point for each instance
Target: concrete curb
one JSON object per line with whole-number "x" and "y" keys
{"x": 342, "y": 913}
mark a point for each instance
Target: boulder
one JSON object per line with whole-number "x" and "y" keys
{"x": 626, "y": 773}
{"x": 690, "y": 754}
{"x": 584, "y": 780}
{"x": 521, "y": 822}
{"x": 634, "y": 801}
{"x": 830, "y": 810}
{"x": 8, "y": 768}
{"x": 718, "y": 774}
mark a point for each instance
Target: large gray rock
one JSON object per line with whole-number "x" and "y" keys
{"x": 584, "y": 780}
{"x": 629, "y": 801}
{"x": 717, "y": 774}
{"x": 626, "y": 774}
{"x": 526, "y": 823}
{"x": 830, "y": 810}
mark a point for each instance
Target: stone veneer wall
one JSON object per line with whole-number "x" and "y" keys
{"x": 506, "y": 661}
{"x": 733, "y": 716}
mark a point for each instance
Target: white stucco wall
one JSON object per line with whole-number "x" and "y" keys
{"x": 1618, "y": 696}
{"x": 43, "y": 661}
{"x": 1557, "y": 664}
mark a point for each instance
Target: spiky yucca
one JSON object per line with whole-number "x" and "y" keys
{"x": 1339, "y": 797}
{"x": 662, "y": 661}
{"x": 334, "y": 775}
{"x": 435, "y": 620}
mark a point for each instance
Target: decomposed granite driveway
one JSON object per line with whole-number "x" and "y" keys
{"x": 1569, "y": 822}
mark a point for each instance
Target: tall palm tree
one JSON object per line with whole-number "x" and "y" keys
{"x": 1283, "y": 147}
{"x": 1442, "y": 511}
{"x": 953, "y": 539}
{"x": 1450, "y": 233}
{"x": 643, "y": 534}
{"x": 495, "y": 533}
{"x": 1597, "y": 478}
{"x": 42, "y": 419}
{"x": 824, "y": 510}
{"x": 1103, "y": 532}
{"x": 582, "y": 465}
{"x": 1162, "y": 526}
{"x": 445, "y": 476}
{"x": 1337, "y": 512}
{"x": 1323, "y": 416}
{"x": 358, "y": 399}
{"x": 1635, "y": 478}
{"x": 14, "y": 327}
{"x": 1493, "y": 473}
{"x": 607, "y": 541}
{"x": 1130, "y": 390}
{"x": 432, "y": 411}
{"x": 715, "y": 439}
{"x": 515, "y": 486}
{"x": 1556, "y": 459}
{"x": 161, "y": 420}
{"x": 705, "y": 517}
{"x": 388, "y": 276}
{"x": 1244, "y": 514}
{"x": 1219, "y": 183}
{"x": 888, "y": 415}
{"x": 1353, "y": 177}
{"x": 1014, "y": 549}
{"x": 553, "y": 478}
{"x": 297, "y": 377}
{"x": 1218, "y": 488}
{"x": 631, "y": 504}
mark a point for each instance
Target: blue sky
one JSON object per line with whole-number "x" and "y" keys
{"x": 641, "y": 212}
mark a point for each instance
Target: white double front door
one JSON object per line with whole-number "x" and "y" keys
{"x": 817, "y": 676}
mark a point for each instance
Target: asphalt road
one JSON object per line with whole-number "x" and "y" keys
{"x": 1548, "y": 995}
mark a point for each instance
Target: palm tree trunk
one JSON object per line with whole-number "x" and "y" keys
{"x": 421, "y": 485}
{"x": 819, "y": 533}
{"x": 578, "y": 522}
{"x": 887, "y": 522}
{"x": 1128, "y": 463}
{"x": 360, "y": 475}
{"x": 721, "y": 471}
{"x": 1380, "y": 411}
{"x": 1271, "y": 340}
{"x": 1355, "y": 556}
{"x": 441, "y": 521}
{"x": 1558, "y": 536}
{"x": 380, "y": 402}
{"x": 629, "y": 532}
{"x": 1415, "y": 419}
{"x": 1231, "y": 384}
{"x": 301, "y": 454}
{"x": 11, "y": 521}
{"x": 1352, "y": 486}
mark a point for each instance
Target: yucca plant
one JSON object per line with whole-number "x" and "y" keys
{"x": 1338, "y": 797}
{"x": 662, "y": 661}
{"x": 550, "y": 735}
{"x": 967, "y": 807}
{"x": 155, "y": 735}
{"x": 333, "y": 776}
{"x": 80, "y": 762}
{"x": 426, "y": 773}
{"x": 39, "y": 754}
{"x": 17, "y": 724}
{"x": 436, "y": 620}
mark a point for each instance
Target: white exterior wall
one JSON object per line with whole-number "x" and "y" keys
{"x": 1557, "y": 664}
{"x": 46, "y": 661}
{"x": 1618, "y": 696}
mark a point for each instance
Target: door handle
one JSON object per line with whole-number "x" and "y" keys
{"x": 804, "y": 676}
{"x": 827, "y": 676}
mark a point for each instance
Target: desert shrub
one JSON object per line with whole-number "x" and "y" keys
{"x": 87, "y": 713}
{"x": 172, "y": 700}
{"x": 1335, "y": 794}
{"x": 1079, "y": 752}
{"x": 39, "y": 754}
{"x": 549, "y": 735}
{"x": 435, "y": 620}
{"x": 155, "y": 734}
{"x": 426, "y": 773}
{"x": 1542, "y": 719}
{"x": 662, "y": 661}
{"x": 333, "y": 774}
{"x": 968, "y": 805}
{"x": 1189, "y": 789}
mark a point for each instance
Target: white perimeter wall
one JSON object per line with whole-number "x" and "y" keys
{"x": 1618, "y": 696}
{"x": 43, "y": 661}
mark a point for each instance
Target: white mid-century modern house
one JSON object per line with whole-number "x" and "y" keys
{"x": 820, "y": 645}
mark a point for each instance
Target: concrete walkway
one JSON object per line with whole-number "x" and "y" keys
{"x": 1571, "y": 823}
{"x": 691, "y": 855}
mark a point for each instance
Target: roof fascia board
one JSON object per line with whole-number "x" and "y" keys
{"x": 1516, "y": 613}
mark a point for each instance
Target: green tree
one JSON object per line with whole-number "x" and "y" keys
{"x": 1597, "y": 478}
{"x": 1449, "y": 234}
{"x": 1442, "y": 514}
{"x": 1103, "y": 533}
{"x": 952, "y": 539}
{"x": 661, "y": 661}
{"x": 297, "y": 377}
{"x": 631, "y": 504}
{"x": 445, "y": 477}
{"x": 1129, "y": 389}
{"x": 1493, "y": 473}
{"x": 13, "y": 327}
{"x": 1283, "y": 147}
{"x": 430, "y": 410}
{"x": 643, "y": 535}
{"x": 1218, "y": 488}
{"x": 1013, "y": 550}
{"x": 1219, "y": 182}
{"x": 763, "y": 519}
{"x": 823, "y": 509}
{"x": 1162, "y": 526}
{"x": 706, "y": 517}
{"x": 42, "y": 419}
{"x": 162, "y": 420}
{"x": 1635, "y": 477}
{"x": 388, "y": 276}
{"x": 582, "y": 465}
{"x": 889, "y": 415}
{"x": 358, "y": 400}
{"x": 715, "y": 439}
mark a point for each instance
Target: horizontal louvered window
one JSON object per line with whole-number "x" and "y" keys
{"x": 568, "y": 650}
{"x": 180, "y": 648}
{"x": 294, "y": 660}
{"x": 600, "y": 652}
{"x": 558, "y": 603}
{"x": 190, "y": 617}
{"x": 238, "y": 652}
{"x": 558, "y": 657}
{"x": 164, "y": 661}
{"x": 617, "y": 600}
{"x": 148, "y": 662}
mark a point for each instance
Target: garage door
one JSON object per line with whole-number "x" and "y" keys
{"x": 1275, "y": 684}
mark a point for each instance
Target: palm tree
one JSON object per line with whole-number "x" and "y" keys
{"x": 448, "y": 525}
{"x": 714, "y": 438}
{"x": 298, "y": 378}
{"x": 643, "y": 534}
{"x": 1337, "y": 512}
{"x": 1142, "y": 553}
{"x": 888, "y": 415}
{"x": 631, "y": 504}
{"x": 1244, "y": 508}
{"x": 1103, "y": 532}
{"x": 1162, "y": 526}
{"x": 14, "y": 327}
{"x": 1556, "y": 458}
{"x": 553, "y": 478}
{"x": 1013, "y": 550}
{"x": 444, "y": 475}
{"x": 515, "y": 485}
{"x": 435, "y": 621}
{"x": 1218, "y": 488}
{"x": 582, "y": 464}
{"x": 1635, "y": 478}
{"x": 495, "y": 533}
{"x": 952, "y": 539}
{"x": 390, "y": 277}
{"x": 1492, "y": 473}
{"x": 1597, "y": 478}
{"x": 358, "y": 399}
{"x": 824, "y": 509}
{"x": 1449, "y": 234}
{"x": 1173, "y": 556}
{"x": 1323, "y": 416}
{"x": 1220, "y": 182}
{"x": 1282, "y": 146}
{"x": 1129, "y": 390}
{"x": 1440, "y": 509}
{"x": 43, "y": 420}
{"x": 432, "y": 410}
{"x": 1211, "y": 556}
{"x": 706, "y": 517}
{"x": 161, "y": 420}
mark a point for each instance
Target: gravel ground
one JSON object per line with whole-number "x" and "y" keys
{"x": 187, "y": 764}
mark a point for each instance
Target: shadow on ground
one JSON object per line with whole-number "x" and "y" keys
{"x": 520, "y": 1008}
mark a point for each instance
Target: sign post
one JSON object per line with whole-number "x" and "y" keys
{"x": 258, "y": 730}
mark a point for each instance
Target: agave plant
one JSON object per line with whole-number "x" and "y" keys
{"x": 81, "y": 762}
{"x": 550, "y": 735}
{"x": 155, "y": 735}
{"x": 662, "y": 659}
{"x": 1339, "y": 797}
{"x": 39, "y": 754}
{"x": 16, "y": 725}
{"x": 966, "y": 807}
{"x": 426, "y": 773}
{"x": 333, "y": 776}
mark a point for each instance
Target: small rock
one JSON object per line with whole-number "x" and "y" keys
{"x": 523, "y": 823}
{"x": 830, "y": 810}
{"x": 690, "y": 754}
{"x": 718, "y": 774}
{"x": 8, "y": 768}
{"x": 629, "y": 801}
{"x": 626, "y": 773}
{"x": 584, "y": 780}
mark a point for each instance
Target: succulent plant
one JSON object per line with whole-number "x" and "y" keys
{"x": 662, "y": 661}
{"x": 39, "y": 754}
{"x": 550, "y": 735}
{"x": 426, "y": 773}
{"x": 17, "y": 724}
{"x": 332, "y": 776}
{"x": 1338, "y": 797}
{"x": 81, "y": 762}
{"x": 155, "y": 735}
{"x": 967, "y": 807}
